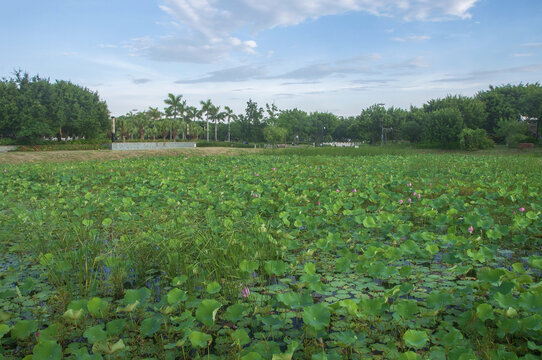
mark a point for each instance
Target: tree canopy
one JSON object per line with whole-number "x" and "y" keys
{"x": 32, "y": 108}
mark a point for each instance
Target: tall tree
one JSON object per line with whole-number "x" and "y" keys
{"x": 140, "y": 121}
{"x": 207, "y": 109}
{"x": 229, "y": 115}
{"x": 216, "y": 116}
{"x": 191, "y": 114}
{"x": 175, "y": 104}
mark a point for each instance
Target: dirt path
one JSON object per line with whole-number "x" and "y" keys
{"x": 88, "y": 155}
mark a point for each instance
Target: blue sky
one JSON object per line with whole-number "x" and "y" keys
{"x": 316, "y": 55}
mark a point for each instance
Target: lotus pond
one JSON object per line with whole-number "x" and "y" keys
{"x": 272, "y": 257}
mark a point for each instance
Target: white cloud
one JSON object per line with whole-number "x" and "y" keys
{"x": 207, "y": 27}
{"x": 532, "y": 44}
{"x": 522, "y": 55}
{"x": 412, "y": 38}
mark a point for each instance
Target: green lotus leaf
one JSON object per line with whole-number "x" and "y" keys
{"x": 95, "y": 334}
{"x": 275, "y": 267}
{"x": 369, "y": 222}
{"x": 47, "y": 350}
{"x": 199, "y": 339}
{"x": 252, "y": 356}
{"x": 490, "y": 275}
{"x": 351, "y": 307}
{"x": 317, "y": 316}
{"x": 531, "y": 302}
{"x": 288, "y": 355}
{"x": 97, "y": 307}
{"x": 213, "y": 288}
{"x": 72, "y": 315}
{"x": 505, "y": 301}
{"x": 415, "y": 338}
{"x": 240, "y": 337}
{"x": 23, "y": 329}
{"x": 105, "y": 347}
{"x": 438, "y": 299}
{"x": 4, "y": 329}
{"x": 345, "y": 338}
{"x": 235, "y": 312}
{"x": 115, "y": 327}
{"x": 179, "y": 280}
{"x": 176, "y": 296}
{"x": 372, "y": 307}
{"x": 484, "y": 312}
{"x": 452, "y": 338}
{"x": 410, "y": 355}
{"x": 295, "y": 300}
{"x": 206, "y": 312}
{"x": 407, "y": 309}
{"x": 141, "y": 295}
{"x": 248, "y": 266}
{"x": 150, "y": 326}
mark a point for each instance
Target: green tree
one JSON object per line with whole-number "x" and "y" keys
{"x": 207, "y": 109}
{"x": 229, "y": 115}
{"x": 175, "y": 105}
{"x": 296, "y": 122}
{"x": 140, "y": 121}
{"x": 443, "y": 127}
{"x": 275, "y": 134}
{"x": 512, "y": 131}
{"x": 254, "y": 121}
{"x": 473, "y": 111}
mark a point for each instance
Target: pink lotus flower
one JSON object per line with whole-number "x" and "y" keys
{"x": 414, "y": 193}
{"x": 255, "y": 195}
{"x": 521, "y": 209}
{"x": 337, "y": 190}
{"x": 168, "y": 178}
{"x": 318, "y": 202}
{"x": 471, "y": 229}
{"x": 245, "y": 292}
{"x": 378, "y": 211}
{"x": 409, "y": 200}
{"x": 274, "y": 169}
{"x": 419, "y": 196}
{"x": 5, "y": 170}
{"x": 401, "y": 202}
{"x": 354, "y": 190}
{"x": 256, "y": 174}
{"x": 409, "y": 184}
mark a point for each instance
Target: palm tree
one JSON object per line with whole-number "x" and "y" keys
{"x": 216, "y": 115}
{"x": 175, "y": 104}
{"x": 154, "y": 114}
{"x": 206, "y": 107}
{"x": 122, "y": 126}
{"x": 190, "y": 115}
{"x": 164, "y": 126}
{"x": 229, "y": 115}
{"x": 139, "y": 121}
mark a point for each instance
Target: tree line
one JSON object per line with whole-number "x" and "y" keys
{"x": 34, "y": 108}
{"x": 503, "y": 114}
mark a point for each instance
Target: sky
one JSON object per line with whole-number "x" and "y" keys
{"x": 339, "y": 56}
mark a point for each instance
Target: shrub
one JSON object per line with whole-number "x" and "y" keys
{"x": 471, "y": 140}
